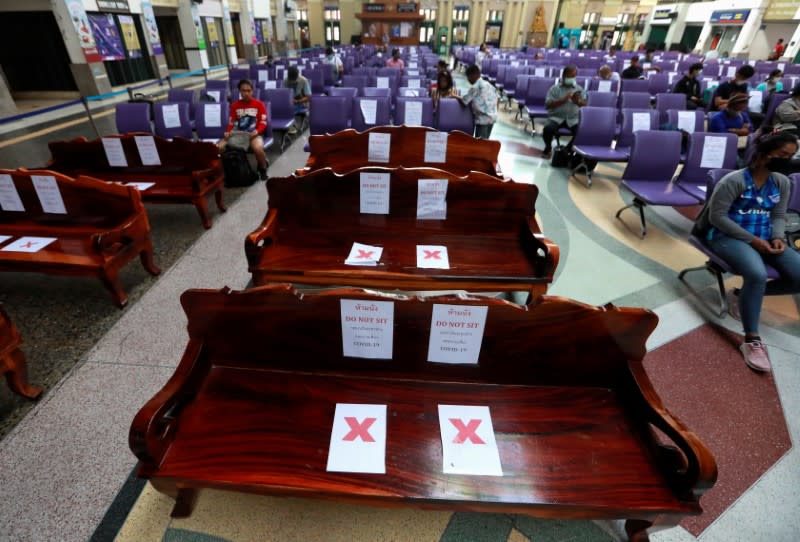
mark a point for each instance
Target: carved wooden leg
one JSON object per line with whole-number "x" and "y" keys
{"x": 636, "y": 529}
{"x": 110, "y": 279}
{"x": 15, "y": 367}
{"x": 218, "y": 199}
{"x": 147, "y": 260}
{"x": 184, "y": 503}
{"x": 202, "y": 208}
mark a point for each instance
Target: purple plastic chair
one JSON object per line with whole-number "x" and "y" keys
{"x": 282, "y": 105}
{"x": 772, "y": 105}
{"x": 693, "y": 177}
{"x": 715, "y": 265}
{"x": 372, "y": 92}
{"x": 521, "y": 93}
{"x": 346, "y": 92}
{"x": 535, "y": 98}
{"x": 635, "y": 85}
{"x": 355, "y": 81}
{"x": 210, "y": 125}
{"x": 649, "y": 174}
{"x": 427, "y": 110}
{"x": 451, "y": 115}
{"x": 382, "y": 114}
{"x": 594, "y": 84}
{"x": 317, "y": 81}
{"x": 328, "y": 114}
{"x": 602, "y": 99}
{"x": 666, "y": 101}
{"x": 625, "y": 139}
{"x": 594, "y": 137}
{"x": 673, "y": 118}
{"x": 184, "y": 128}
{"x": 658, "y": 83}
{"x": 133, "y": 117}
{"x": 634, "y": 100}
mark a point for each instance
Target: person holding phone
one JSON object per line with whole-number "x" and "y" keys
{"x": 563, "y": 101}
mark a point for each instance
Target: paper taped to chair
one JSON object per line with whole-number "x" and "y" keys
{"x": 686, "y": 120}
{"x": 214, "y": 94}
{"x": 383, "y": 82}
{"x": 374, "y": 193}
{"x": 756, "y": 102}
{"x": 367, "y": 328}
{"x": 378, "y": 147}
{"x": 171, "y": 116}
{"x": 456, "y": 333}
{"x": 413, "y": 83}
{"x": 641, "y": 121}
{"x": 4, "y": 238}
{"x": 413, "y": 114}
{"x": 29, "y": 244}
{"x": 49, "y": 195}
{"x": 539, "y": 72}
{"x": 358, "y": 439}
{"x": 115, "y": 154}
{"x": 369, "y": 109}
{"x": 270, "y": 84}
{"x": 468, "y": 442}
{"x": 713, "y": 152}
{"x": 213, "y": 115}
{"x": 263, "y": 75}
{"x": 432, "y": 257}
{"x": 432, "y": 199}
{"x": 604, "y": 86}
{"x": 9, "y": 197}
{"x": 148, "y": 153}
{"x": 436, "y": 147}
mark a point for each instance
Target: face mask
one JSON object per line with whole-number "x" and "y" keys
{"x": 569, "y": 81}
{"x": 779, "y": 164}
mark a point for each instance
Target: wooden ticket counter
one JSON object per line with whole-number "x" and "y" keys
{"x": 398, "y": 21}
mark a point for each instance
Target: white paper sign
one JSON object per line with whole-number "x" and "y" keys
{"x": 456, "y": 333}
{"x": 641, "y": 121}
{"x": 468, "y": 442}
{"x": 756, "y": 101}
{"x": 367, "y": 329}
{"x": 364, "y": 255}
{"x": 515, "y": 63}
{"x": 713, "y": 152}
{"x": 539, "y": 72}
{"x": 432, "y": 257}
{"x": 148, "y": 153}
{"x": 263, "y": 75}
{"x": 49, "y": 195}
{"x": 383, "y": 82}
{"x": 412, "y": 72}
{"x": 141, "y": 187}
{"x": 432, "y": 199}
{"x": 413, "y": 114}
{"x": 4, "y": 238}
{"x": 358, "y": 439}
{"x": 436, "y": 147}
{"x": 413, "y": 83}
{"x": 781, "y": 65}
{"x": 270, "y": 84}
{"x": 214, "y": 94}
{"x": 28, "y": 244}
{"x": 671, "y": 77}
{"x": 213, "y": 115}
{"x": 411, "y": 92}
{"x": 369, "y": 109}
{"x": 604, "y": 86}
{"x": 114, "y": 152}
{"x": 375, "y": 193}
{"x": 9, "y": 197}
{"x": 412, "y": 65}
{"x": 686, "y": 121}
{"x": 378, "y": 147}
{"x": 172, "y": 118}
{"x": 731, "y": 71}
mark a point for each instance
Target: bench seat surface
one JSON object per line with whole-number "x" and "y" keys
{"x": 269, "y": 431}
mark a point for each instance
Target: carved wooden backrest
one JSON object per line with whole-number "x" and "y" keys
{"x": 476, "y": 203}
{"x": 88, "y": 201}
{"x": 176, "y": 156}
{"x": 347, "y": 150}
{"x": 553, "y": 341}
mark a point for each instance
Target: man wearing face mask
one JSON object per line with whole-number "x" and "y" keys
{"x": 690, "y": 86}
{"x": 743, "y": 222}
{"x": 562, "y": 102}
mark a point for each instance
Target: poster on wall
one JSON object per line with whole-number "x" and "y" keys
{"x": 213, "y": 36}
{"x": 266, "y": 30}
{"x": 130, "y": 37}
{"x": 460, "y": 34}
{"x": 258, "y": 33}
{"x": 152, "y": 28}
{"x": 226, "y": 20}
{"x": 82, "y": 27}
{"x": 198, "y": 27}
{"x": 106, "y": 36}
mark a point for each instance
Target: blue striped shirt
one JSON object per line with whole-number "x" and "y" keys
{"x": 752, "y": 210}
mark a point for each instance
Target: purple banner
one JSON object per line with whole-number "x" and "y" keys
{"x": 259, "y": 33}
{"x": 106, "y": 36}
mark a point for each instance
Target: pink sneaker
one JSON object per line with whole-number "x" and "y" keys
{"x": 756, "y": 357}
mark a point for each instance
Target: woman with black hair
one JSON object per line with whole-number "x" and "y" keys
{"x": 444, "y": 89}
{"x": 743, "y": 222}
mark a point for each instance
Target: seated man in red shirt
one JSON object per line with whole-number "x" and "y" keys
{"x": 248, "y": 116}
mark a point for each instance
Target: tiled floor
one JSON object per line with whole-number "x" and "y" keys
{"x": 63, "y": 465}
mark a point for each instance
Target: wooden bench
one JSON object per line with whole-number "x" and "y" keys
{"x": 250, "y": 408}
{"x": 348, "y": 150}
{"x": 189, "y": 172}
{"x": 105, "y": 227}
{"x": 12, "y": 360}
{"x": 493, "y": 241}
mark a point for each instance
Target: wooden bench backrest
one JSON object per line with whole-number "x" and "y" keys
{"x": 553, "y": 341}
{"x": 476, "y": 203}
{"x": 347, "y": 150}
{"x": 177, "y": 156}
{"x": 89, "y": 202}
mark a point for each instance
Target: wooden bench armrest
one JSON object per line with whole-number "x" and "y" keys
{"x": 694, "y": 470}
{"x": 203, "y": 176}
{"x": 109, "y": 240}
{"x": 154, "y": 426}
{"x": 263, "y": 235}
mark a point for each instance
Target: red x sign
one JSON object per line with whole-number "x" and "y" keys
{"x": 359, "y": 429}
{"x": 29, "y": 244}
{"x": 432, "y": 254}
{"x": 362, "y": 254}
{"x": 466, "y": 432}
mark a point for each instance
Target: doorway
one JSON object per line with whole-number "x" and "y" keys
{"x": 170, "y": 31}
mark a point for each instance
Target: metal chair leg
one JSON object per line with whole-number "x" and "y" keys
{"x": 714, "y": 270}
{"x": 640, "y": 205}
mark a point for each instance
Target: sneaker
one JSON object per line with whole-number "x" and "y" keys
{"x": 262, "y": 174}
{"x": 756, "y": 357}
{"x": 733, "y": 305}
{"x": 292, "y": 130}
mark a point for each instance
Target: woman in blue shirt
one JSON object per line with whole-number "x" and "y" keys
{"x": 743, "y": 222}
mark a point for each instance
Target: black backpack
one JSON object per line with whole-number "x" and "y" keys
{"x": 237, "y": 168}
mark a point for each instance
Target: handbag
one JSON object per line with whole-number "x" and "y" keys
{"x": 562, "y": 156}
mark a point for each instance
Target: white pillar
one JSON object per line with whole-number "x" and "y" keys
{"x": 7, "y": 105}
{"x": 192, "y": 33}
{"x": 741, "y": 49}
{"x": 85, "y": 63}
{"x": 153, "y": 39}
{"x": 704, "y": 35}
{"x": 794, "y": 45}
{"x": 230, "y": 40}
{"x": 678, "y": 25}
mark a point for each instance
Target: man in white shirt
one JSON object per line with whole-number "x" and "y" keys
{"x": 333, "y": 59}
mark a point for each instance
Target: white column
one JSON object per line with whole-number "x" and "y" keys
{"x": 230, "y": 40}
{"x": 678, "y": 25}
{"x": 793, "y": 47}
{"x": 701, "y": 41}
{"x": 7, "y": 105}
{"x": 192, "y": 33}
{"x": 742, "y": 46}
